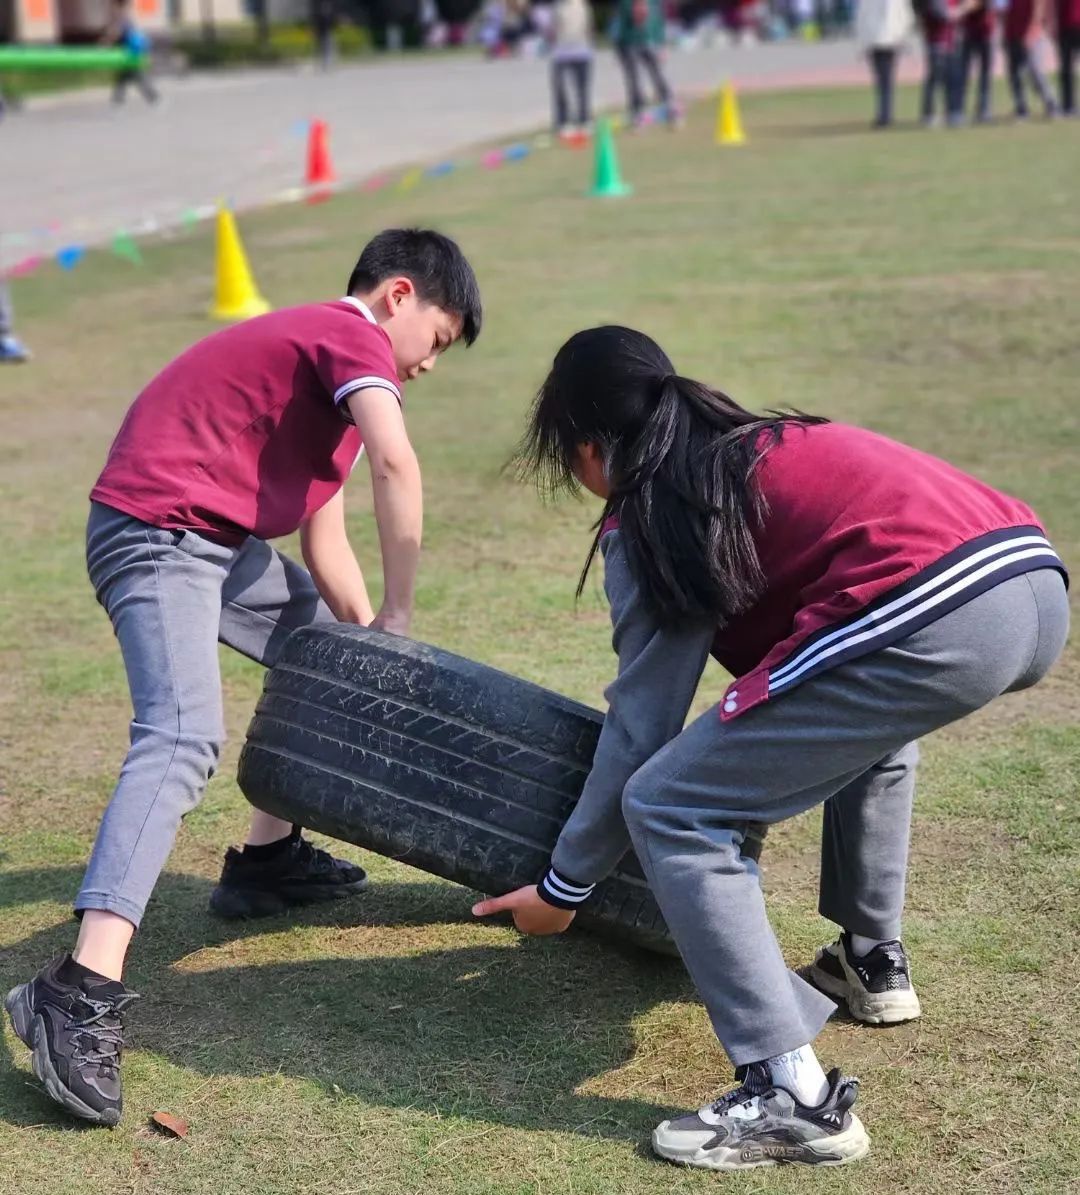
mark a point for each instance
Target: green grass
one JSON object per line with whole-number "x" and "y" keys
{"x": 924, "y": 285}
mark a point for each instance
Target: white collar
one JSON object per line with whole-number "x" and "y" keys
{"x": 360, "y": 306}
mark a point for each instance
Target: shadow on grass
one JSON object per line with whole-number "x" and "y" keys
{"x": 839, "y": 128}
{"x": 506, "y": 1033}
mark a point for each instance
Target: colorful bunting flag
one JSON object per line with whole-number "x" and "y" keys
{"x": 124, "y": 246}
{"x": 70, "y": 256}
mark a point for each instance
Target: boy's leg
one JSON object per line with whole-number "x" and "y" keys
{"x": 560, "y": 116}
{"x": 580, "y": 70}
{"x": 164, "y": 604}
{"x": 1038, "y": 81}
{"x": 7, "y": 318}
{"x": 965, "y": 57}
{"x": 1068, "y": 45}
{"x": 1016, "y": 55}
{"x": 930, "y": 82}
{"x": 629, "y": 62}
{"x": 164, "y": 601}
{"x": 656, "y": 73}
{"x": 986, "y": 72}
{"x": 264, "y": 599}
{"x": 148, "y": 90}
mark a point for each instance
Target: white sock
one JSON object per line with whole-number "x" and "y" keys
{"x": 799, "y": 1072}
{"x": 862, "y": 946}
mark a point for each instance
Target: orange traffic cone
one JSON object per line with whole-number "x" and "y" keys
{"x": 320, "y": 170}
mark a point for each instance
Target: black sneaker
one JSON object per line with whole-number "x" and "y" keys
{"x": 299, "y": 874}
{"x": 77, "y": 1036}
{"x": 876, "y": 986}
{"x": 759, "y": 1124}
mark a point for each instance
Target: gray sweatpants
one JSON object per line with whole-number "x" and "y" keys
{"x": 171, "y": 596}
{"x": 844, "y": 739}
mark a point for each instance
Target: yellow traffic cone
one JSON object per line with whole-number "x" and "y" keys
{"x": 729, "y": 130}
{"x": 236, "y": 296}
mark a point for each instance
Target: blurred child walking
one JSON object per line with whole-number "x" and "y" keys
{"x": 571, "y": 66}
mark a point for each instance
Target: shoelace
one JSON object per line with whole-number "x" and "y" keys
{"x": 749, "y": 1090}
{"x": 103, "y": 1031}
{"x": 313, "y": 858}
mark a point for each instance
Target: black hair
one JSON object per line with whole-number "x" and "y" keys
{"x": 434, "y": 264}
{"x": 680, "y": 459}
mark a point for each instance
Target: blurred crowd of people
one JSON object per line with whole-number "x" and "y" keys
{"x": 960, "y": 39}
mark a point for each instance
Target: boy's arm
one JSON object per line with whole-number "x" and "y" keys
{"x": 659, "y": 671}
{"x": 324, "y": 544}
{"x": 399, "y": 503}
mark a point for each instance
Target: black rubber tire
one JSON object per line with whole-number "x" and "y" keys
{"x": 435, "y": 760}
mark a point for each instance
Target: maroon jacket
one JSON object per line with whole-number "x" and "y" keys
{"x": 865, "y": 542}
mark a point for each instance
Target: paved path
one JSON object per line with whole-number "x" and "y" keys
{"x": 87, "y": 169}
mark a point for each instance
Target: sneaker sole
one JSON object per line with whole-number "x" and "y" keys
{"x": 872, "y": 1008}
{"x": 836, "y": 1150}
{"x": 249, "y": 904}
{"x": 30, "y": 1029}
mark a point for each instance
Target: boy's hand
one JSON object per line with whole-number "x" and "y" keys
{"x": 392, "y": 621}
{"x": 532, "y": 914}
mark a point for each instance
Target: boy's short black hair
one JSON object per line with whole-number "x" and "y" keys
{"x": 436, "y": 267}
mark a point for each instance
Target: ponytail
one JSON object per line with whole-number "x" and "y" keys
{"x": 681, "y": 459}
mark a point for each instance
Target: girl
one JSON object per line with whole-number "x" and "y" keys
{"x": 862, "y": 594}
{"x": 572, "y": 57}
{"x": 882, "y": 27}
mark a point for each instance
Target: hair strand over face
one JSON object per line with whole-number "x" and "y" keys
{"x": 680, "y": 458}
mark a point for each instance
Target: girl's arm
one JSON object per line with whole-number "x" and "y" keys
{"x": 659, "y": 671}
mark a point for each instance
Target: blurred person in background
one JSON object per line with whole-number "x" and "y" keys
{"x": 637, "y": 33}
{"x": 1067, "y": 28}
{"x": 324, "y": 19}
{"x": 881, "y": 28}
{"x": 12, "y": 350}
{"x": 939, "y": 20}
{"x": 1022, "y": 27}
{"x": 122, "y": 32}
{"x": 977, "y": 49}
{"x": 571, "y": 39}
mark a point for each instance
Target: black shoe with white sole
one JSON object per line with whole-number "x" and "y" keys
{"x": 759, "y": 1124}
{"x": 876, "y": 986}
{"x": 76, "y": 1033}
{"x": 298, "y": 874}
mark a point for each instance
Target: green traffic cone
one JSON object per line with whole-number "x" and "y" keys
{"x": 608, "y": 180}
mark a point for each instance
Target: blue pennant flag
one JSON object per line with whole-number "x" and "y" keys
{"x": 70, "y": 256}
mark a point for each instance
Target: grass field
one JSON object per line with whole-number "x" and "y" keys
{"x": 924, "y": 285}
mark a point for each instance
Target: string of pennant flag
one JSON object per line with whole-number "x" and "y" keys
{"x": 66, "y": 245}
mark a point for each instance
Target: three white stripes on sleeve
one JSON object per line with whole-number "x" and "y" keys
{"x": 561, "y": 892}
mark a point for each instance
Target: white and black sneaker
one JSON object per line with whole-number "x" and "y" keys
{"x": 76, "y": 1033}
{"x": 876, "y": 986}
{"x": 760, "y": 1124}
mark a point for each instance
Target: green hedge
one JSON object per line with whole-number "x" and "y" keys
{"x": 234, "y": 47}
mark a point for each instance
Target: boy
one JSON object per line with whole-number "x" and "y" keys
{"x": 12, "y": 350}
{"x": 939, "y": 20}
{"x": 247, "y": 436}
{"x": 638, "y": 35}
{"x": 977, "y": 50}
{"x": 124, "y": 33}
{"x": 1067, "y": 27}
{"x": 1024, "y": 20}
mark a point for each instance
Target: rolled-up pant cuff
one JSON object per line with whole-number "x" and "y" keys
{"x": 106, "y": 903}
